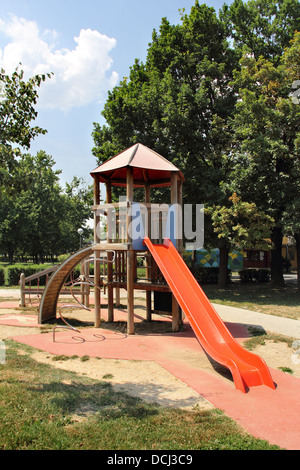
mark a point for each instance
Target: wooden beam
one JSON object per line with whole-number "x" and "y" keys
{"x": 97, "y": 316}
{"x": 141, "y": 182}
{"x": 115, "y": 205}
{"x": 145, "y": 176}
{"x": 129, "y": 199}
{"x": 111, "y": 246}
{"x": 148, "y": 267}
{"x": 110, "y": 293}
{"x": 175, "y": 314}
{"x": 175, "y": 200}
{"x": 96, "y": 202}
{"x": 130, "y": 255}
{"x": 174, "y": 189}
{"x": 97, "y": 291}
{"x": 179, "y": 197}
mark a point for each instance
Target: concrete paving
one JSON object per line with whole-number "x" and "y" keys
{"x": 270, "y": 323}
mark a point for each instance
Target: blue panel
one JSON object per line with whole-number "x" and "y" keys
{"x": 137, "y": 227}
{"x": 170, "y": 230}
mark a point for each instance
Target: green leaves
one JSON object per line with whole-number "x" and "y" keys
{"x": 241, "y": 225}
{"x": 38, "y": 218}
{"x": 172, "y": 102}
{"x": 264, "y": 27}
{"x": 228, "y": 124}
{"x": 266, "y": 125}
{"x": 17, "y": 108}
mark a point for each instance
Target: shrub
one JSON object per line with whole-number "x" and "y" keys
{"x": 2, "y": 276}
{"x": 14, "y": 271}
{"x": 255, "y": 275}
{"x": 207, "y": 275}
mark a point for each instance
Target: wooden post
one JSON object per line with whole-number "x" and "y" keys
{"x": 110, "y": 293}
{"x": 130, "y": 255}
{"x": 148, "y": 292}
{"x": 180, "y": 240}
{"x": 22, "y": 290}
{"x": 179, "y": 201}
{"x": 118, "y": 278}
{"x": 97, "y": 294}
{"x": 87, "y": 287}
{"x": 82, "y": 269}
{"x": 117, "y": 297}
{"x": 174, "y": 188}
{"x": 174, "y": 200}
{"x": 175, "y": 314}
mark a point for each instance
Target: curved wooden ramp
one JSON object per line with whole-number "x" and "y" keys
{"x": 51, "y": 293}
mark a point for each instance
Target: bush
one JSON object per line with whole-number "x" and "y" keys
{"x": 10, "y": 275}
{"x": 255, "y": 275}
{"x": 14, "y": 271}
{"x": 2, "y": 276}
{"x": 207, "y": 275}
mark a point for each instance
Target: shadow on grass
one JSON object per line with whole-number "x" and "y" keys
{"x": 259, "y": 297}
{"x": 97, "y": 398}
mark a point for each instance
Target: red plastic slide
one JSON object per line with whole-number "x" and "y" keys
{"x": 247, "y": 369}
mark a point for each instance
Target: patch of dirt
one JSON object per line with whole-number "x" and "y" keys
{"x": 10, "y": 331}
{"x": 147, "y": 380}
{"x": 142, "y": 379}
{"x": 279, "y": 355}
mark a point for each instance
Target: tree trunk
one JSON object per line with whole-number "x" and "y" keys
{"x": 223, "y": 270}
{"x": 297, "y": 238}
{"x": 276, "y": 258}
{"x": 10, "y": 252}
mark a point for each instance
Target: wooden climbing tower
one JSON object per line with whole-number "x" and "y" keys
{"x": 136, "y": 167}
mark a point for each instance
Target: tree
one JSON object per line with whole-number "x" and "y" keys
{"x": 291, "y": 214}
{"x": 262, "y": 27}
{"x": 17, "y": 110}
{"x": 30, "y": 213}
{"x": 266, "y": 125}
{"x": 77, "y": 200}
{"x": 226, "y": 134}
{"x": 38, "y": 219}
{"x": 178, "y": 103}
{"x": 239, "y": 226}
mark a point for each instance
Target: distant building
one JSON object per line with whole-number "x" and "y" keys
{"x": 252, "y": 258}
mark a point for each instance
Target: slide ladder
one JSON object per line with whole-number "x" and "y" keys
{"x": 247, "y": 369}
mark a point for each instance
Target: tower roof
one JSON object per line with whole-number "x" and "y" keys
{"x": 148, "y": 168}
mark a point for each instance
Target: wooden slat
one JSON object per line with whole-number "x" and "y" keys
{"x": 110, "y": 246}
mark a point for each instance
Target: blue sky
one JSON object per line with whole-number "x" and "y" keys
{"x": 90, "y": 46}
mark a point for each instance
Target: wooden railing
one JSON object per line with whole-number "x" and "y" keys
{"x": 26, "y": 289}
{"x": 154, "y": 217}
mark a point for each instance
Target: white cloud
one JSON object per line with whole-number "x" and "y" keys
{"x": 81, "y": 75}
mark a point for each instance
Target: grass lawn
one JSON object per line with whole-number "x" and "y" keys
{"x": 44, "y": 408}
{"x": 283, "y": 301}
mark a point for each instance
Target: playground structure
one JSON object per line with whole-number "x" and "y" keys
{"x": 136, "y": 167}
{"x": 130, "y": 236}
